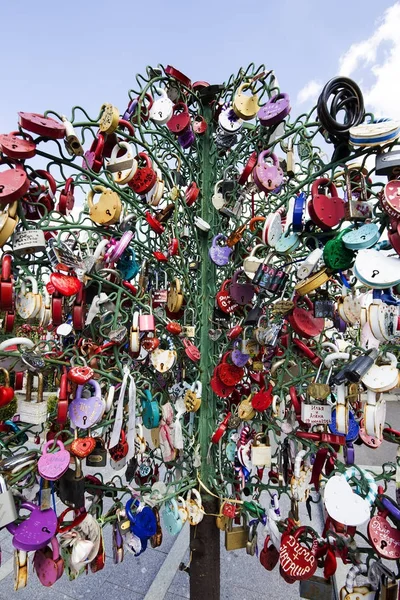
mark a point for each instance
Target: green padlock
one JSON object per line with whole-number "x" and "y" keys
{"x": 336, "y": 256}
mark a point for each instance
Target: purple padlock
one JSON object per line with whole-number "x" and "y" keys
{"x": 267, "y": 176}
{"x": 186, "y": 139}
{"x": 242, "y": 293}
{"x": 36, "y": 531}
{"x": 275, "y": 110}
{"x": 85, "y": 412}
{"x": 239, "y": 358}
{"x": 219, "y": 254}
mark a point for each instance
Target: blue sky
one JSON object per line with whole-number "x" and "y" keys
{"x": 57, "y": 54}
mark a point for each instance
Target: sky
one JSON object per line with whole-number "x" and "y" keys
{"x": 57, "y": 55}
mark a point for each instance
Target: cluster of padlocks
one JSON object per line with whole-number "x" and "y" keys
{"x": 198, "y": 298}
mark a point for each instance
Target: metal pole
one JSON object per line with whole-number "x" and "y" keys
{"x": 205, "y": 537}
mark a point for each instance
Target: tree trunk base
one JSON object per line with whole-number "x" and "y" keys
{"x": 205, "y": 560}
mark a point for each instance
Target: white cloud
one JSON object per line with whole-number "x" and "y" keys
{"x": 309, "y": 92}
{"x": 374, "y": 63}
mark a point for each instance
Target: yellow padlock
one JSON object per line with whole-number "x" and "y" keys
{"x": 315, "y": 281}
{"x": 245, "y": 106}
{"x": 8, "y": 222}
{"x": 109, "y": 119}
{"x": 108, "y": 209}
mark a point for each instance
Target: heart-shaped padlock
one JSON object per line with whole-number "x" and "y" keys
{"x": 269, "y": 555}
{"x": 36, "y": 531}
{"x": 145, "y": 177}
{"x": 80, "y": 374}
{"x": 267, "y": 176}
{"x": 229, "y": 373}
{"x": 86, "y": 412}
{"x": 66, "y": 285}
{"x": 14, "y": 183}
{"x": 376, "y": 270}
{"x": 298, "y": 561}
{"x": 242, "y": 293}
{"x": 239, "y": 358}
{"x": 275, "y": 110}
{"x": 325, "y": 211}
{"x": 179, "y": 122}
{"x": 224, "y": 300}
{"x": 303, "y": 321}
{"x": 48, "y": 564}
{"x": 162, "y": 108}
{"x": 41, "y": 125}
{"x": 164, "y": 359}
{"x": 384, "y": 538}
{"x": 53, "y": 466}
{"x": 81, "y": 447}
{"x": 219, "y": 254}
{"x": 15, "y": 145}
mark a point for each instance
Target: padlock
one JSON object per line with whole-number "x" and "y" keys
{"x": 98, "y": 456}
{"x": 71, "y": 486}
{"x": 236, "y": 537}
{"x": 261, "y": 452}
{"x": 28, "y": 241}
{"x": 48, "y": 564}
{"x": 325, "y": 211}
{"x": 108, "y": 208}
{"x": 162, "y": 108}
{"x": 179, "y": 122}
{"x": 275, "y": 110}
{"x": 268, "y": 177}
{"x": 147, "y": 322}
{"x": 71, "y": 140}
{"x": 245, "y": 106}
{"x": 8, "y": 511}
{"x": 122, "y": 167}
{"x": 33, "y": 411}
{"x": 189, "y": 330}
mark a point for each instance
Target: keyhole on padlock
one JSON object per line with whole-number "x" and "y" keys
{"x": 1, "y": 188}
{"x": 108, "y": 212}
{"x": 160, "y": 113}
{"x": 14, "y": 146}
{"x": 162, "y": 366}
{"x": 383, "y": 544}
{"x": 45, "y": 530}
{"x": 363, "y": 237}
{"x": 270, "y": 182}
{"x": 374, "y": 273}
{"x": 84, "y": 419}
{"x": 242, "y": 298}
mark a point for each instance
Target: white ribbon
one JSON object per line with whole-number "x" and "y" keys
{"x": 178, "y": 437}
{"x": 116, "y": 432}
{"x": 131, "y": 435}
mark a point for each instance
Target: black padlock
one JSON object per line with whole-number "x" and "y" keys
{"x": 98, "y": 458}
{"x": 323, "y": 307}
{"x": 253, "y": 315}
{"x": 71, "y": 486}
{"x": 356, "y": 369}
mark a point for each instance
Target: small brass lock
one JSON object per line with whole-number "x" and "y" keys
{"x": 236, "y": 537}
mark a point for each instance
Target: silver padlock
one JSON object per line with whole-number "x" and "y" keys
{"x": 28, "y": 241}
{"x": 8, "y": 512}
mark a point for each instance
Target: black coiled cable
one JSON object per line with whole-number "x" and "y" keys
{"x": 347, "y": 97}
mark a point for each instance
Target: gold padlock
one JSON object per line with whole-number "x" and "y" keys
{"x": 8, "y": 222}
{"x": 313, "y": 282}
{"x": 246, "y": 411}
{"x": 109, "y": 119}
{"x": 236, "y": 537}
{"x": 108, "y": 209}
{"x": 244, "y": 106}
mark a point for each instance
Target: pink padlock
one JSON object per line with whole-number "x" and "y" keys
{"x": 147, "y": 322}
{"x": 48, "y": 564}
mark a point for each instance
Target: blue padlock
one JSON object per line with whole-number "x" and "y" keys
{"x": 143, "y": 521}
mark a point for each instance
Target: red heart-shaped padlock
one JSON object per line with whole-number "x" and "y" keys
{"x": 219, "y": 388}
{"x": 303, "y": 321}
{"x": 82, "y": 447}
{"x": 269, "y": 555}
{"x": 67, "y": 285}
{"x": 229, "y": 373}
{"x": 81, "y": 374}
{"x": 262, "y": 399}
{"x": 15, "y": 146}
{"x": 6, "y": 395}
